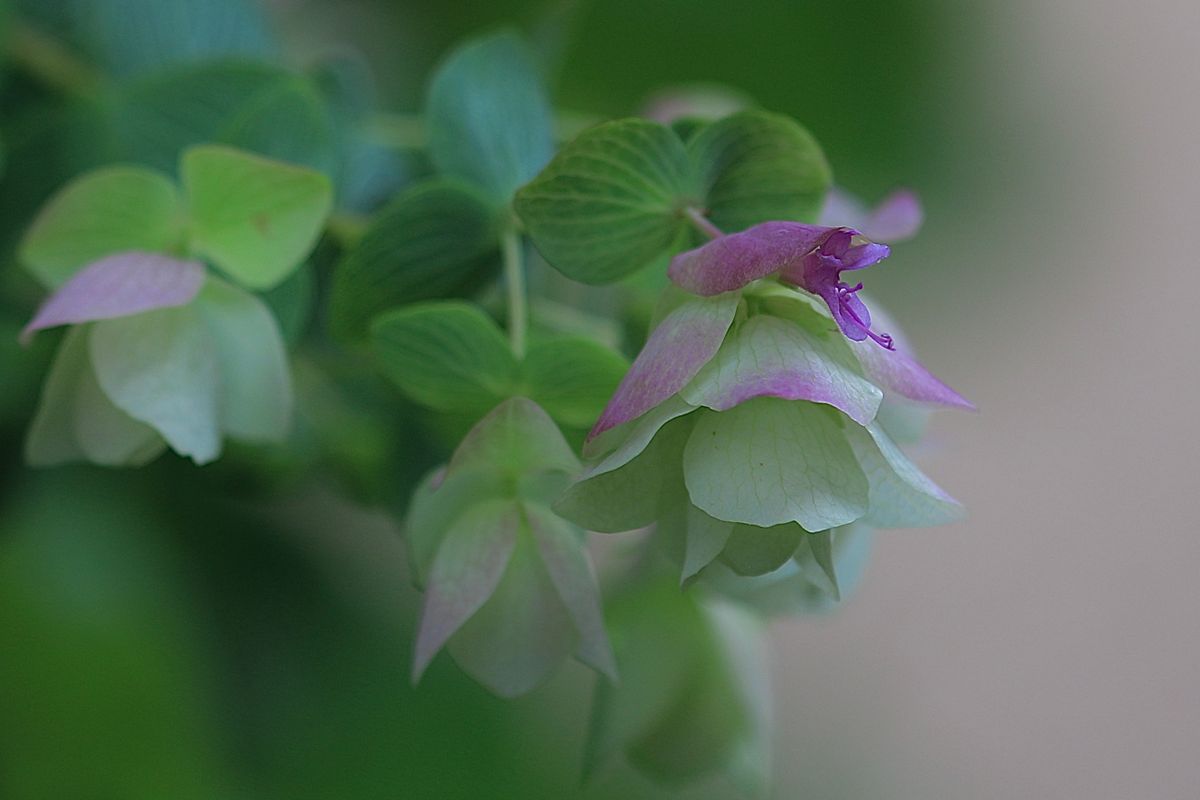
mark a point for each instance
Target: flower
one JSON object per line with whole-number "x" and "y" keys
{"x": 751, "y": 419}
{"x": 509, "y": 588}
{"x": 160, "y": 353}
{"x": 811, "y": 257}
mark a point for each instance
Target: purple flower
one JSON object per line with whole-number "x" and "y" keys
{"x": 812, "y": 257}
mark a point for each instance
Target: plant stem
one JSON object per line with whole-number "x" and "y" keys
{"x": 702, "y": 223}
{"x": 49, "y": 62}
{"x": 514, "y": 278}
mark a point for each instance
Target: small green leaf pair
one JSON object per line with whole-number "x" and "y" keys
{"x": 618, "y": 196}
{"x": 509, "y": 588}
{"x": 451, "y": 357}
{"x": 161, "y": 353}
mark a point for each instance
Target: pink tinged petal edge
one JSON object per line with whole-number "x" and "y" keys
{"x": 733, "y": 261}
{"x": 574, "y": 579}
{"x": 896, "y": 371}
{"x": 119, "y": 285}
{"x": 469, "y": 564}
{"x": 676, "y": 350}
{"x": 770, "y": 357}
{"x": 897, "y": 218}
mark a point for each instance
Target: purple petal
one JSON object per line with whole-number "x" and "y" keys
{"x": 468, "y": 567}
{"x": 898, "y": 217}
{"x": 681, "y": 344}
{"x": 733, "y": 261}
{"x": 119, "y": 285}
{"x": 896, "y": 371}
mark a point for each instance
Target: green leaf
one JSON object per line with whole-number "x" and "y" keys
{"x": 256, "y": 384}
{"x": 755, "y": 166}
{"x": 488, "y": 117}
{"x": 573, "y": 377}
{"x": 287, "y": 121}
{"x": 160, "y": 367}
{"x": 245, "y": 104}
{"x": 770, "y": 461}
{"x": 256, "y": 219}
{"x": 446, "y": 355}
{"x": 100, "y": 213}
{"x": 610, "y": 202}
{"x": 435, "y": 240}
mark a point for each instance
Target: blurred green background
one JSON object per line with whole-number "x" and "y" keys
{"x": 203, "y": 633}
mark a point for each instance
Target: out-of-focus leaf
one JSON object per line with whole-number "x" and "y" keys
{"x": 488, "y": 116}
{"x": 257, "y": 219}
{"x": 241, "y": 103}
{"x": 572, "y": 377}
{"x": 292, "y": 302}
{"x": 436, "y": 240}
{"x": 755, "y": 166}
{"x": 446, "y": 355}
{"x": 100, "y": 213}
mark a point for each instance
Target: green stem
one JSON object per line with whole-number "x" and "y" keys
{"x": 702, "y": 223}
{"x": 514, "y": 277}
{"x": 49, "y": 62}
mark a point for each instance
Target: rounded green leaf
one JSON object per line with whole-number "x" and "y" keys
{"x": 100, "y": 213}
{"x": 256, "y": 384}
{"x": 488, "y": 116}
{"x": 435, "y": 240}
{"x": 446, "y": 355}
{"x": 610, "y": 202}
{"x": 770, "y": 461}
{"x": 160, "y": 367}
{"x": 573, "y": 377}
{"x": 256, "y": 219}
{"x": 756, "y": 166}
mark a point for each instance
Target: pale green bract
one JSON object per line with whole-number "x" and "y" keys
{"x": 255, "y": 218}
{"x": 509, "y": 589}
{"x": 161, "y": 368}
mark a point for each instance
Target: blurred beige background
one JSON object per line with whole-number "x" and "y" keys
{"x": 1049, "y": 646}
